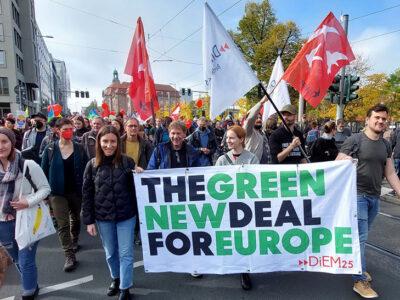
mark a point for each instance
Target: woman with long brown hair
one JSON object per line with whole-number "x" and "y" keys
{"x": 13, "y": 184}
{"x": 109, "y": 200}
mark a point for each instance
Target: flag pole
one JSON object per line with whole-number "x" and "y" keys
{"x": 283, "y": 121}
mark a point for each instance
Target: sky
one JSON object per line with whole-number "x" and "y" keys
{"x": 93, "y": 37}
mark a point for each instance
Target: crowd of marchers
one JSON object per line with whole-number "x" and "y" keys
{"x": 84, "y": 169}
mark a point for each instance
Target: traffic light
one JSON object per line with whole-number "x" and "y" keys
{"x": 189, "y": 92}
{"x": 333, "y": 94}
{"x": 183, "y": 91}
{"x": 335, "y": 86}
{"x": 351, "y": 87}
{"x": 83, "y": 94}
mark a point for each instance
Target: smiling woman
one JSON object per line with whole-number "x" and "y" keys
{"x": 109, "y": 200}
{"x": 12, "y": 185}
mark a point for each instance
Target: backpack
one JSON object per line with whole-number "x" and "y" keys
{"x": 357, "y": 142}
{"x": 312, "y": 136}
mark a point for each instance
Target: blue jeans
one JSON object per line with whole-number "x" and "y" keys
{"x": 367, "y": 209}
{"x": 24, "y": 259}
{"x": 397, "y": 166}
{"x": 117, "y": 239}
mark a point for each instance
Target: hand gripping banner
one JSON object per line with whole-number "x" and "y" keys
{"x": 250, "y": 218}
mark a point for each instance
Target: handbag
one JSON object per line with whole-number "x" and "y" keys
{"x": 32, "y": 223}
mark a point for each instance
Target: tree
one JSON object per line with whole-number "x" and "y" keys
{"x": 392, "y": 90}
{"x": 92, "y": 104}
{"x": 262, "y": 38}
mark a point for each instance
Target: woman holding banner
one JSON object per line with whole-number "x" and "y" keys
{"x": 109, "y": 199}
{"x": 237, "y": 155}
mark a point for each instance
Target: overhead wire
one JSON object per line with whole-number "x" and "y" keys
{"x": 170, "y": 20}
{"x": 362, "y": 16}
{"x": 194, "y": 32}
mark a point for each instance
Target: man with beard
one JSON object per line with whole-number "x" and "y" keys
{"x": 255, "y": 141}
{"x": 284, "y": 148}
{"x": 374, "y": 162}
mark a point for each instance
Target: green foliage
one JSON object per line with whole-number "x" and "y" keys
{"x": 262, "y": 38}
{"x": 92, "y": 104}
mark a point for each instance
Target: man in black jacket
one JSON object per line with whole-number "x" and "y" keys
{"x": 203, "y": 140}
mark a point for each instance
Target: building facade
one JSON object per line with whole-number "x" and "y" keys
{"x": 117, "y": 96}
{"x": 26, "y": 65}
{"x": 18, "y": 56}
{"x": 63, "y": 89}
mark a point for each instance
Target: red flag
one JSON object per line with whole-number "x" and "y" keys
{"x": 313, "y": 69}
{"x": 176, "y": 112}
{"x": 142, "y": 89}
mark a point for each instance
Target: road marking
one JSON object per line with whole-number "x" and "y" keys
{"x": 138, "y": 264}
{"x": 145, "y": 292}
{"x": 61, "y": 286}
{"x": 389, "y": 216}
{"x": 65, "y": 285}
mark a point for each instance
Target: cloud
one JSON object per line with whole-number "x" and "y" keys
{"x": 382, "y": 52}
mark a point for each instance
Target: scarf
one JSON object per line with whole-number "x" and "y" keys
{"x": 325, "y": 136}
{"x": 7, "y": 184}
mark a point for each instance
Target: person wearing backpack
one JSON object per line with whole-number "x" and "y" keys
{"x": 374, "y": 162}
{"x": 109, "y": 200}
{"x": 313, "y": 134}
{"x": 11, "y": 183}
{"x": 63, "y": 162}
{"x": 324, "y": 148}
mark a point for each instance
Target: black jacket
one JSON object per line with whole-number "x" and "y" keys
{"x": 319, "y": 147}
{"x": 108, "y": 192}
{"x": 145, "y": 151}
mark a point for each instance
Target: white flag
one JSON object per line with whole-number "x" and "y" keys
{"x": 227, "y": 74}
{"x": 279, "y": 94}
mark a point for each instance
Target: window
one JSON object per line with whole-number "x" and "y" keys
{"x": 20, "y": 63}
{"x": 2, "y": 58}
{"x": 15, "y": 14}
{"x": 17, "y": 39}
{"x": 1, "y": 33}
{"x": 4, "y": 86}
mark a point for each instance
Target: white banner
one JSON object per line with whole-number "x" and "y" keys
{"x": 277, "y": 89}
{"x": 227, "y": 74}
{"x": 251, "y": 218}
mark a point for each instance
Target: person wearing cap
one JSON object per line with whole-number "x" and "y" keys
{"x": 284, "y": 148}
{"x": 255, "y": 141}
{"x": 33, "y": 138}
{"x": 10, "y": 124}
{"x": 12, "y": 185}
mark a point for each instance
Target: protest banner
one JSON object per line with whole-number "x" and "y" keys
{"x": 250, "y": 218}
{"x": 21, "y": 119}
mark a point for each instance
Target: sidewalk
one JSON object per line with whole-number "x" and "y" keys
{"x": 385, "y": 196}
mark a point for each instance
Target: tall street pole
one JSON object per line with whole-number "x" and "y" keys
{"x": 340, "y": 106}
